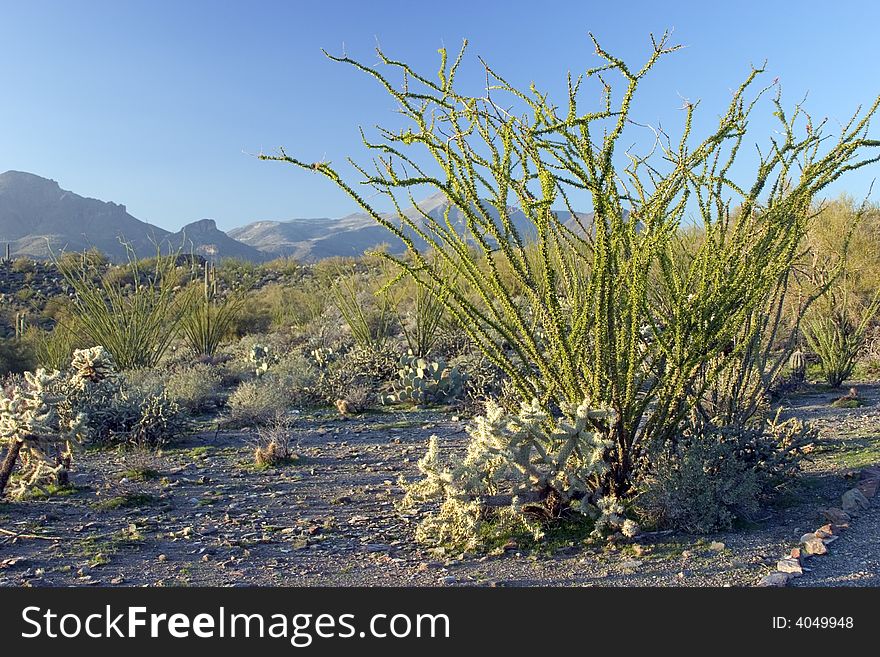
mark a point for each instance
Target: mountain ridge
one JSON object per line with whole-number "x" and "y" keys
{"x": 39, "y": 219}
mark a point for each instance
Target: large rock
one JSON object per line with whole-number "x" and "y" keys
{"x": 868, "y": 487}
{"x": 835, "y": 516}
{"x": 854, "y": 501}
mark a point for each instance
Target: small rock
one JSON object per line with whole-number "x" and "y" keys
{"x": 825, "y": 531}
{"x": 717, "y": 546}
{"x": 795, "y": 553}
{"x": 449, "y": 579}
{"x": 813, "y": 545}
{"x": 117, "y": 580}
{"x": 790, "y": 566}
{"x": 774, "y": 579}
{"x": 163, "y": 558}
{"x": 429, "y": 565}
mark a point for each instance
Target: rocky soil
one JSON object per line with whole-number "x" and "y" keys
{"x": 200, "y": 513}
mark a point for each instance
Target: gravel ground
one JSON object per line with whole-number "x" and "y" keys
{"x": 853, "y": 560}
{"x": 203, "y": 515}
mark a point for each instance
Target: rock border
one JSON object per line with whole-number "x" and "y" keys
{"x": 837, "y": 519}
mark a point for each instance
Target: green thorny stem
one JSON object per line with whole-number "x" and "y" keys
{"x": 599, "y": 308}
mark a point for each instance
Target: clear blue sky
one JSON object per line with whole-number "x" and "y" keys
{"x": 159, "y": 105}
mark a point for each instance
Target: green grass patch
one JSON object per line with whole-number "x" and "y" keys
{"x": 141, "y": 474}
{"x": 51, "y": 490}
{"x": 127, "y": 501}
{"x": 290, "y": 461}
{"x": 399, "y": 424}
{"x": 845, "y": 402}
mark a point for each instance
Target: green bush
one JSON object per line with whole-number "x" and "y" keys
{"x": 196, "y": 389}
{"x": 16, "y": 356}
{"x": 714, "y": 476}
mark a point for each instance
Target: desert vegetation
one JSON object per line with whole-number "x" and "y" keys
{"x": 615, "y": 372}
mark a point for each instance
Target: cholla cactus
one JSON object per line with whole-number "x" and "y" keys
{"x": 91, "y": 365}
{"x": 31, "y": 423}
{"x": 517, "y": 467}
{"x": 610, "y": 515}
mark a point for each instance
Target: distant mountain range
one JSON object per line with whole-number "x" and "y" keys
{"x": 38, "y": 218}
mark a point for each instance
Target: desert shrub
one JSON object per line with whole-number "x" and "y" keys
{"x": 615, "y": 308}
{"x": 347, "y": 375}
{"x": 300, "y": 377}
{"x": 256, "y": 314}
{"x": 356, "y": 398}
{"x": 297, "y": 305}
{"x": 714, "y": 475}
{"x": 15, "y": 356}
{"x": 258, "y": 402}
{"x": 23, "y": 265}
{"x": 91, "y": 259}
{"x": 195, "y": 389}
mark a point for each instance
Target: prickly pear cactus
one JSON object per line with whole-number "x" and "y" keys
{"x": 323, "y": 356}
{"x": 262, "y": 358}
{"x": 421, "y": 381}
